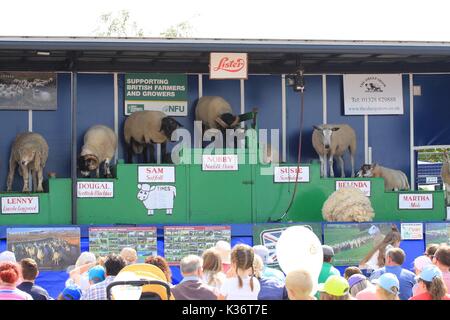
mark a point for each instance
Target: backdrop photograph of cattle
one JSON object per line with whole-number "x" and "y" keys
{"x": 437, "y": 233}
{"x": 352, "y": 242}
{"x": 28, "y": 90}
{"x": 51, "y": 248}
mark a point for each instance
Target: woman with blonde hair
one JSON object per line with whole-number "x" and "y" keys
{"x": 387, "y": 287}
{"x": 212, "y": 269}
{"x": 375, "y": 258}
{"x": 242, "y": 285}
{"x": 430, "y": 285}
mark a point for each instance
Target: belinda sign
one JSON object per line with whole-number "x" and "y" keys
{"x": 93, "y": 189}
{"x": 288, "y": 174}
{"x": 153, "y": 174}
{"x": 228, "y": 65}
{"x": 220, "y": 162}
{"x": 364, "y": 186}
{"x": 15, "y": 205}
{"x": 415, "y": 201}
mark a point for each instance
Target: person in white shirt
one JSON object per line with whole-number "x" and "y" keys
{"x": 243, "y": 285}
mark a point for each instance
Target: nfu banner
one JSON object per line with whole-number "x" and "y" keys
{"x": 156, "y": 91}
{"x": 373, "y": 94}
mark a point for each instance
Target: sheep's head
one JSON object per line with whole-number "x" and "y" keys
{"x": 168, "y": 126}
{"x": 366, "y": 170}
{"x": 27, "y": 155}
{"x": 326, "y": 132}
{"x": 228, "y": 121}
{"x": 87, "y": 163}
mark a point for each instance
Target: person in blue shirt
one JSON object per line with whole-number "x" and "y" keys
{"x": 267, "y": 272}
{"x": 271, "y": 288}
{"x": 394, "y": 260}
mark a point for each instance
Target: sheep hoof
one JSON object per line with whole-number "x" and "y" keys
{"x": 109, "y": 176}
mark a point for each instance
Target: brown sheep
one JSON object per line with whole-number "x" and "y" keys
{"x": 445, "y": 174}
{"x": 393, "y": 179}
{"x": 30, "y": 152}
{"x": 215, "y": 113}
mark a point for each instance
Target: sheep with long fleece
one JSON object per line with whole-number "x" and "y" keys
{"x": 445, "y": 174}
{"x": 393, "y": 179}
{"x": 347, "y": 205}
{"x": 332, "y": 140}
{"x": 215, "y": 113}
{"x": 143, "y": 129}
{"x": 100, "y": 145}
{"x": 30, "y": 152}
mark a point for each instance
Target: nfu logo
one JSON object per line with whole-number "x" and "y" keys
{"x": 173, "y": 109}
{"x": 373, "y": 84}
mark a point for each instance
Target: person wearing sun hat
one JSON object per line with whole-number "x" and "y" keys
{"x": 335, "y": 288}
{"x": 357, "y": 282}
{"x": 431, "y": 285}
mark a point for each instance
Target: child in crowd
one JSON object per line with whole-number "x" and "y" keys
{"x": 212, "y": 269}
{"x": 335, "y": 288}
{"x": 72, "y": 292}
{"x": 351, "y": 271}
{"x": 358, "y": 282}
{"x": 299, "y": 285}
{"x": 96, "y": 274}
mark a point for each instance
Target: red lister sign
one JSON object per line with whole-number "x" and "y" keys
{"x": 228, "y": 65}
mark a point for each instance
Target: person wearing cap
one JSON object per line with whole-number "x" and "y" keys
{"x": 357, "y": 282}
{"x": 328, "y": 269}
{"x": 70, "y": 293}
{"x": 431, "y": 285}
{"x": 394, "y": 258}
{"x": 224, "y": 250}
{"x": 387, "y": 287}
{"x": 8, "y": 256}
{"x": 335, "y": 288}
{"x": 441, "y": 259}
{"x": 96, "y": 274}
{"x": 268, "y": 272}
{"x": 419, "y": 263}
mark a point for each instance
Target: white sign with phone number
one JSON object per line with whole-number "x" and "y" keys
{"x": 412, "y": 231}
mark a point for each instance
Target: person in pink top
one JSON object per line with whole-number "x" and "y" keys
{"x": 442, "y": 260}
{"x": 9, "y": 276}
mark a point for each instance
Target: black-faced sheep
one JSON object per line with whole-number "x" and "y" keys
{"x": 215, "y": 113}
{"x": 30, "y": 152}
{"x": 347, "y": 204}
{"x": 143, "y": 129}
{"x": 393, "y": 179}
{"x": 332, "y": 140}
{"x": 100, "y": 145}
{"x": 445, "y": 174}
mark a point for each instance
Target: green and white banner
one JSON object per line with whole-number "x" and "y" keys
{"x": 156, "y": 91}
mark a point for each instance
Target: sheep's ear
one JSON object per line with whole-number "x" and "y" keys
{"x": 374, "y": 165}
{"x": 335, "y": 129}
{"x": 221, "y": 123}
{"x": 317, "y": 128}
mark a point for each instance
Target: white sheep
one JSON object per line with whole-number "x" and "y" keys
{"x": 142, "y": 129}
{"x": 100, "y": 145}
{"x": 215, "y": 113}
{"x": 332, "y": 140}
{"x": 445, "y": 174}
{"x": 346, "y": 205}
{"x": 393, "y": 179}
{"x": 30, "y": 152}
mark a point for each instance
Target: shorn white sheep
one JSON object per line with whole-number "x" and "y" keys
{"x": 393, "y": 179}
{"x": 100, "y": 145}
{"x": 333, "y": 140}
{"x": 445, "y": 174}
{"x": 347, "y": 205}
{"x": 143, "y": 129}
{"x": 215, "y": 113}
{"x": 30, "y": 152}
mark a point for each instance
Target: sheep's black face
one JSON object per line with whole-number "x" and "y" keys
{"x": 87, "y": 163}
{"x": 230, "y": 120}
{"x": 365, "y": 171}
{"x": 168, "y": 126}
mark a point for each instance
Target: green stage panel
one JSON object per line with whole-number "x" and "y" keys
{"x": 54, "y": 206}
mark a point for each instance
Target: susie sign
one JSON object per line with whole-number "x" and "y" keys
{"x": 413, "y": 201}
{"x": 15, "y": 205}
{"x": 228, "y": 65}
{"x": 288, "y": 174}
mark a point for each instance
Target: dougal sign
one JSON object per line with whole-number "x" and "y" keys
{"x": 228, "y": 65}
{"x": 94, "y": 189}
{"x": 17, "y": 205}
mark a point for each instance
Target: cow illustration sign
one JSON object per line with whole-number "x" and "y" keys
{"x": 157, "y": 197}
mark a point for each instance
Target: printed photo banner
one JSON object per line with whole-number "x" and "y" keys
{"x": 437, "y": 233}
{"x": 373, "y": 94}
{"x": 51, "y": 248}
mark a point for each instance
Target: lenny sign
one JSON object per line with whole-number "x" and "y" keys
{"x": 228, "y": 65}
{"x": 16, "y": 205}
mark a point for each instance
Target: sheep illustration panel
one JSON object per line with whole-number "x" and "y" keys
{"x": 157, "y": 197}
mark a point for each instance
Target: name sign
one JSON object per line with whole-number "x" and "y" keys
{"x": 15, "y": 205}
{"x": 220, "y": 162}
{"x": 414, "y": 201}
{"x": 364, "y": 186}
{"x": 148, "y": 174}
{"x": 288, "y": 174}
{"x": 94, "y": 189}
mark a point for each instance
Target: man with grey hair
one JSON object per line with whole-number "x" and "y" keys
{"x": 192, "y": 286}
{"x": 394, "y": 260}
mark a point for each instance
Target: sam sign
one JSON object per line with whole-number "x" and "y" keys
{"x": 288, "y": 174}
{"x": 18, "y": 205}
{"x": 373, "y": 94}
{"x": 415, "y": 201}
{"x": 157, "y": 92}
{"x": 94, "y": 189}
{"x": 228, "y": 65}
{"x": 152, "y": 174}
{"x": 220, "y": 162}
{"x": 364, "y": 186}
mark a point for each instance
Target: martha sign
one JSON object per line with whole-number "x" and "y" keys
{"x": 94, "y": 189}
{"x": 18, "y": 205}
{"x": 228, "y": 65}
{"x": 157, "y": 92}
{"x": 364, "y": 186}
{"x": 418, "y": 201}
{"x": 373, "y": 94}
{"x": 152, "y": 174}
{"x": 220, "y": 162}
{"x": 288, "y": 174}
